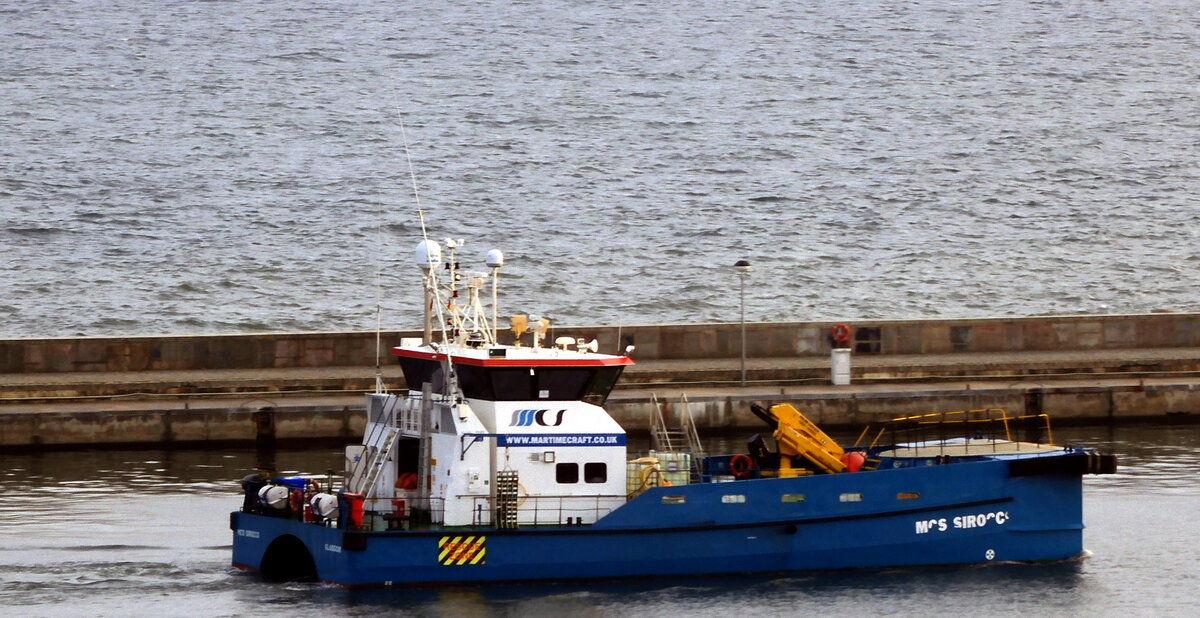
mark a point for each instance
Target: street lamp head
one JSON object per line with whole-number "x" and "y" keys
{"x": 742, "y": 266}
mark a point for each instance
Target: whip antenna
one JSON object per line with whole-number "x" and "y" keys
{"x": 431, "y": 301}
{"x": 412, "y": 175}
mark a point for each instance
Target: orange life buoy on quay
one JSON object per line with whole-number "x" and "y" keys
{"x": 840, "y": 333}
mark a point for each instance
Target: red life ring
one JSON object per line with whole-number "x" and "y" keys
{"x": 740, "y": 466}
{"x": 297, "y": 500}
{"x": 840, "y": 333}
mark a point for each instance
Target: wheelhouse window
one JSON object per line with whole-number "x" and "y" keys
{"x": 509, "y": 384}
{"x": 602, "y": 384}
{"x": 595, "y": 473}
{"x": 590, "y": 384}
{"x": 567, "y": 383}
{"x": 566, "y": 473}
{"x": 420, "y": 371}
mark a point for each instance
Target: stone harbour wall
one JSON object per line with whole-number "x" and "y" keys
{"x": 656, "y": 341}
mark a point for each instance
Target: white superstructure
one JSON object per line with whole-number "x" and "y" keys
{"x": 490, "y": 433}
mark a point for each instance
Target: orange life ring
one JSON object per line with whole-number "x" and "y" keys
{"x": 740, "y": 466}
{"x": 840, "y": 333}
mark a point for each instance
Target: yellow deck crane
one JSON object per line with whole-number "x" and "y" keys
{"x": 799, "y": 438}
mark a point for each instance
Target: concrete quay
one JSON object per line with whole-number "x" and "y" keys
{"x": 1028, "y": 366}
{"x": 267, "y": 406}
{"x": 78, "y": 392}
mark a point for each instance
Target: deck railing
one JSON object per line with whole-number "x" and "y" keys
{"x": 986, "y": 424}
{"x": 549, "y": 510}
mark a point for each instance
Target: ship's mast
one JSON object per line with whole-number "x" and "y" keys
{"x": 427, "y": 256}
{"x": 465, "y": 321}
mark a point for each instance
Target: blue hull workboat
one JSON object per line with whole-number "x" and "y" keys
{"x": 500, "y": 465}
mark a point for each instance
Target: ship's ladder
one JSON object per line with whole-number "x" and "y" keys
{"x": 379, "y": 422}
{"x": 666, "y": 440}
{"x": 661, "y": 437}
{"x": 377, "y": 462}
{"x": 688, "y": 426}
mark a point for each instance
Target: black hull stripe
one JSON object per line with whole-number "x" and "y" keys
{"x": 675, "y": 529}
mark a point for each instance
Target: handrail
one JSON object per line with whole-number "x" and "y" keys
{"x": 919, "y": 424}
{"x": 548, "y": 509}
{"x": 693, "y": 435}
{"x": 659, "y": 434}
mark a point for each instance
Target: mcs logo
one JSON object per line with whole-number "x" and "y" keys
{"x": 526, "y": 418}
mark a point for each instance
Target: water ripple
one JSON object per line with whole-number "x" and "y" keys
{"x": 918, "y": 152}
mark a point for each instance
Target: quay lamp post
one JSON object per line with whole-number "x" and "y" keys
{"x": 743, "y": 270}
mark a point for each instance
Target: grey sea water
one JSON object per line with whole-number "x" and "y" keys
{"x": 146, "y": 533}
{"x": 237, "y": 166}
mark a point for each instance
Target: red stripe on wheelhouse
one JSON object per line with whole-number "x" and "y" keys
{"x": 518, "y": 362}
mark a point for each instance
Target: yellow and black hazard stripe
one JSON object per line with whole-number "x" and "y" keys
{"x": 462, "y": 550}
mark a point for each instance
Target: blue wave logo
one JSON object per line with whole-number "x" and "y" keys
{"x": 526, "y": 418}
{"x": 522, "y": 418}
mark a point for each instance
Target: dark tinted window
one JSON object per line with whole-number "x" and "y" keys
{"x": 475, "y": 382}
{"x": 595, "y": 473}
{"x": 602, "y": 385}
{"x": 565, "y": 384}
{"x": 590, "y": 384}
{"x": 418, "y": 371}
{"x": 567, "y": 473}
{"x": 512, "y": 384}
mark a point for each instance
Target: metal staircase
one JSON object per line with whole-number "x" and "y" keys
{"x": 660, "y": 436}
{"x": 685, "y": 438}
{"x": 386, "y": 427}
{"x": 687, "y": 425}
{"x": 376, "y": 463}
